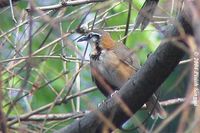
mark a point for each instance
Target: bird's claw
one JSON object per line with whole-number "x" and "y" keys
{"x": 115, "y": 92}
{"x": 101, "y": 103}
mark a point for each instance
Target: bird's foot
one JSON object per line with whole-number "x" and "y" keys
{"x": 101, "y": 103}
{"x": 115, "y": 92}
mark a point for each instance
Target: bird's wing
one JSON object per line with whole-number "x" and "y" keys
{"x": 145, "y": 14}
{"x": 104, "y": 86}
{"x": 127, "y": 56}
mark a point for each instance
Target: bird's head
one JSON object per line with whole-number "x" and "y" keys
{"x": 99, "y": 39}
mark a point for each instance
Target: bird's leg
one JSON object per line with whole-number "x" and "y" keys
{"x": 112, "y": 94}
{"x": 115, "y": 92}
{"x": 101, "y": 103}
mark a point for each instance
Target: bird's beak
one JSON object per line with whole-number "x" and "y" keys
{"x": 83, "y": 38}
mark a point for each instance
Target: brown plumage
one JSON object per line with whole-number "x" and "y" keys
{"x": 112, "y": 64}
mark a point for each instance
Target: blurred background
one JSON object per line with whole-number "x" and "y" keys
{"x": 45, "y": 71}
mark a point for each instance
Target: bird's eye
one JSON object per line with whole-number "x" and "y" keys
{"x": 93, "y": 34}
{"x": 95, "y": 39}
{"x": 90, "y": 35}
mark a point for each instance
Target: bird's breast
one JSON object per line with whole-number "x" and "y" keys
{"x": 112, "y": 68}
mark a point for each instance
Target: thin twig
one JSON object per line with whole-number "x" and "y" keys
{"x": 67, "y": 3}
{"x": 3, "y": 125}
{"x": 128, "y": 21}
{"x": 50, "y": 117}
{"x": 47, "y": 106}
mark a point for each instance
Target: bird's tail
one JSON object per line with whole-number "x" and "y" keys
{"x": 154, "y": 107}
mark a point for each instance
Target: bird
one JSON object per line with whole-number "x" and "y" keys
{"x": 113, "y": 64}
{"x": 145, "y": 14}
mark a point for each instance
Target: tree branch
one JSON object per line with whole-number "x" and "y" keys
{"x": 74, "y": 115}
{"x": 49, "y": 117}
{"x": 67, "y": 3}
{"x": 3, "y": 126}
{"x": 139, "y": 88}
{"x": 4, "y": 3}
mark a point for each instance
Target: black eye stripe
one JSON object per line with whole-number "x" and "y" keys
{"x": 98, "y": 48}
{"x": 92, "y": 34}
